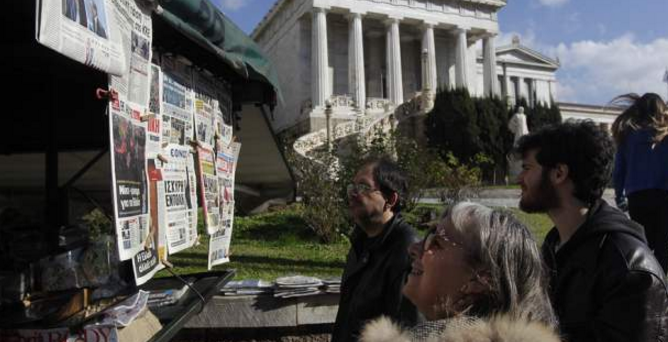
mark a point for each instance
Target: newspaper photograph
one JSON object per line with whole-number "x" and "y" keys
{"x": 223, "y": 114}
{"x": 219, "y": 244}
{"x": 177, "y": 103}
{"x": 205, "y": 102}
{"x": 174, "y": 199}
{"x": 134, "y": 29}
{"x": 129, "y": 177}
{"x": 82, "y": 31}
{"x": 154, "y": 142}
{"x": 208, "y": 189}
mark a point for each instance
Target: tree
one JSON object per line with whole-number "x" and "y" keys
{"x": 495, "y": 137}
{"x": 452, "y": 126}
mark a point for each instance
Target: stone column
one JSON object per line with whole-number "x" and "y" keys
{"x": 319, "y": 61}
{"x": 394, "y": 80}
{"x": 356, "y": 81}
{"x": 461, "y": 68}
{"x": 522, "y": 89}
{"x": 490, "y": 82}
{"x": 506, "y": 83}
{"x": 429, "y": 67}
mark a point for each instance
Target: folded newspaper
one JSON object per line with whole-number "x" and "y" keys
{"x": 247, "y": 287}
{"x": 297, "y": 286}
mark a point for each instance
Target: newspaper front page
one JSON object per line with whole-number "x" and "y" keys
{"x": 175, "y": 200}
{"x": 226, "y": 164}
{"x": 192, "y": 203}
{"x": 82, "y": 30}
{"x": 205, "y": 104}
{"x": 146, "y": 263}
{"x": 219, "y": 244}
{"x": 154, "y": 141}
{"x": 177, "y": 102}
{"x": 128, "y": 131}
{"x": 129, "y": 177}
{"x": 223, "y": 114}
{"x": 208, "y": 188}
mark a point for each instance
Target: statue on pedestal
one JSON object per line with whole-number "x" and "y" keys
{"x": 518, "y": 125}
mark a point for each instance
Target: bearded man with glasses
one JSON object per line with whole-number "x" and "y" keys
{"x": 378, "y": 262}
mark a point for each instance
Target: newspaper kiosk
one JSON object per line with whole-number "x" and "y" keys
{"x": 120, "y": 134}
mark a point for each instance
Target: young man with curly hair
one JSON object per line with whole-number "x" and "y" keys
{"x": 605, "y": 283}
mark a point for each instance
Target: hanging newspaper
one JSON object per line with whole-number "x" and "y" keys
{"x": 219, "y": 243}
{"x": 146, "y": 263}
{"x": 129, "y": 179}
{"x": 192, "y": 203}
{"x": 154, "y": 143}
{"x": 205, "y": 102}
{"x": 226, "y": 164}
{"x": 208, "y": 189}
{"x": 223, "y": 114}
{"x": 177, "y": 102}
{"x": 83, "y": 31}
{"x": 174, "y": 199}
{"x": 128, "y": 130}
{"x": 136, "y": 35}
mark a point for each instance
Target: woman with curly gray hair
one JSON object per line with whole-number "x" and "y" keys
{"x": 641, "y": 167}
{"x": 478, "y": 274}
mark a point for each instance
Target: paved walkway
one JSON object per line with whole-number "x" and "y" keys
{"x": 509, "y": 198}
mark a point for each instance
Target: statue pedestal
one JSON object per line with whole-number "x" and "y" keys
{"x": 514, "y": 169}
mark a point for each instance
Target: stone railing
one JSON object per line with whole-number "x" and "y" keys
{"x": 365, "y": 125}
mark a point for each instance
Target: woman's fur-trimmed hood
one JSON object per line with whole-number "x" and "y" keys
{"x": 496, "y": 329}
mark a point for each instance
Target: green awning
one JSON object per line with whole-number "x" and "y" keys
{"x": 202, "y": 22}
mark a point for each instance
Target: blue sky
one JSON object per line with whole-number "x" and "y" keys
{"x": 606, "y": 47}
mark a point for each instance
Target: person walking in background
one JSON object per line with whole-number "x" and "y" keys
{"x": 606, "y": 284}
{"x": 641, "y": 167}
{"x": 378, "y": 261}
{"x": 478, "y": 276}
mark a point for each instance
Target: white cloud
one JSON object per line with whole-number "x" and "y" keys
{"x": 232, "y": 5}
{"x": 552, "y": 3}
{"x": 597, "y": 71}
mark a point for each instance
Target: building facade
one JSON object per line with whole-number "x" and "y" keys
{"x": 367, "y": 56}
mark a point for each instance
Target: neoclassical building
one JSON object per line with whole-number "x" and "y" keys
{"x": 368, "y": 56}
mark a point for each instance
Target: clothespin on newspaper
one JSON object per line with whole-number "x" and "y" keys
{"x": 111, "y": 94}
{"x": 162, "y": 158}
{"x": 147, "y": 116}
{"x": 194, "y": 143}
{"x": 149, "y": 241}
{"x": 166, "y": 263}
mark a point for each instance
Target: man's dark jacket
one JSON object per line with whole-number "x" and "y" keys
{"x": 373, "y": 278}
{"x": 605, "y": 283}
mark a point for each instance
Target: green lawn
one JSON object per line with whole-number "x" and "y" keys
{"x": 277, "y": 244}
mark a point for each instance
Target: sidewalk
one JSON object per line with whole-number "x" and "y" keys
{"x": 508, "y": 198}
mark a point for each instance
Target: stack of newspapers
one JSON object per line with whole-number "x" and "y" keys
{"x": 247, "y": 287}
{"x": 332, "y": 285}
{"x": 297, "y": 286}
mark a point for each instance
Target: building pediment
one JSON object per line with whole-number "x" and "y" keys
{"x": 522, "y": 55}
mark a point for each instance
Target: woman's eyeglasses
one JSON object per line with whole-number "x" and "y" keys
{"x": 435, "y": 241}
